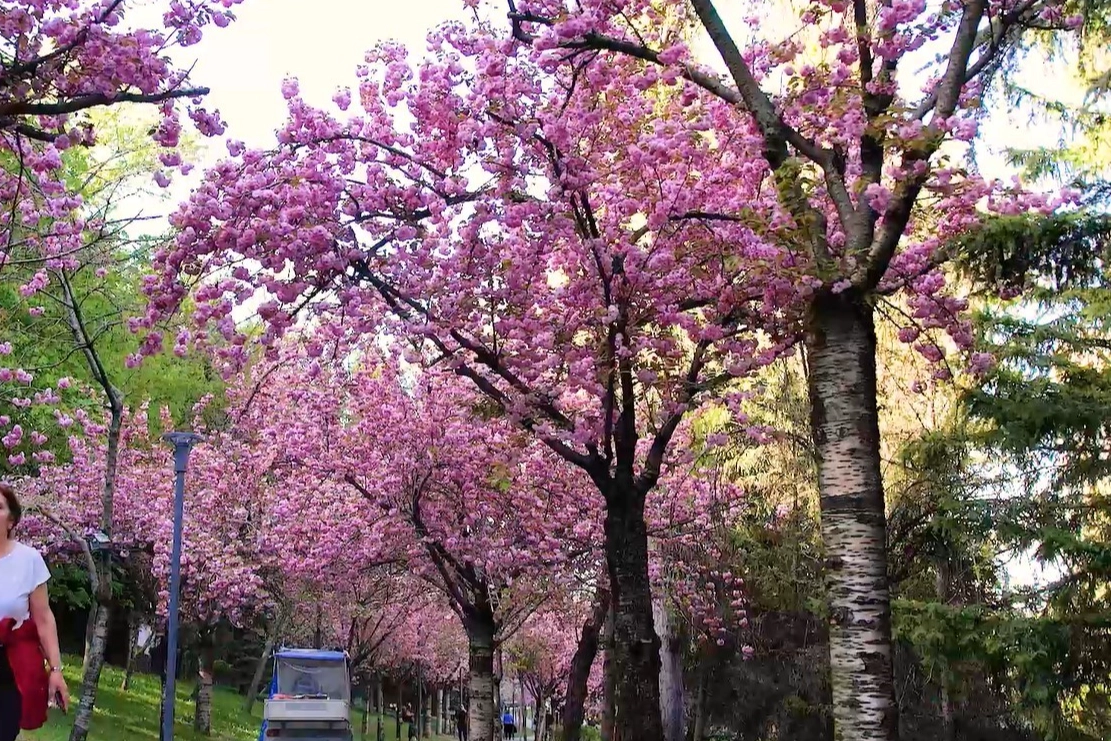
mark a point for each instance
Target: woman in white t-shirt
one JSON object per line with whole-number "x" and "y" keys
{"x": 23, "y": 596}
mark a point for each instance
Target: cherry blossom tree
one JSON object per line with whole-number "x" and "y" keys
{"x": 570, "y": 210}
{"x": 552, "y": 658}
{"x": 491, "y": 521}
{"x": 58, "y": 61}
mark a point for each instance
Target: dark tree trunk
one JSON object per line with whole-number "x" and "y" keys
{"x": 698, "y": 731}
{"x": 609, "y": 681}
{"x": 100, "y": 567}
{"x": 132, "y": 649}
{"x": 202, "y": 715}
{"x": 318, "y": 630}
{"x": 400, "y": 704}
{"x": 577, "y": 678}
{"x": 944, "y": 587}
{"x": 260, "y": 668}
{"x": 436, "y": 712}
{"x": 424, "y": 719}
{"x": 841, "y": 345}
{"x": 636, "y": 647}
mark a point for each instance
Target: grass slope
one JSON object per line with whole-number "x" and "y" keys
{"x": 133, "y": 715}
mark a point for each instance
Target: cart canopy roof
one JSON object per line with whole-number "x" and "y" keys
{"x": 309, "y": 653}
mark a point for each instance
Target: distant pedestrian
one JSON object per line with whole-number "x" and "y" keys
{"x": 509, "y": 726}
{"x": 461, "y": 722}
{"x": 407, "y": 716}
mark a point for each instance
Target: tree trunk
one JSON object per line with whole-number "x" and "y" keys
{"x": 672, "y": 708}
{"x": 524, "y": 713}
{"x": 400, "y": 703}
{"x": 579, "y": 674}
{"x": 379, "y": 697}
{"x": 132, "y": 649}
{"x": 202, "y": 714}
{"x": 841, "y": 344}
{"x": 944, "y": 586}
{"x": 609, "y": 683}
{"x": 425, "y": 720}
{"x": 699, "y": 731}
{"x": 437, "y": 695}
{"x": 260, "y": 667}
{"x": 318, "y": 630}
{"x": 636, "y": 647}
{"x": 85, "y": 340}
{"x": 364, "y": 724}
{"x": 94, "y": 662}
{"x": 480, "y": 709}
{"x": 140, "y": 649}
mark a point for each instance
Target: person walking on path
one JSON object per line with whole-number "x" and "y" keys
{"x": 509, "y": 726}
{"x": 28, "y": 632}
{"x": 407, "y": 716}
{"x": 461, "y": 722}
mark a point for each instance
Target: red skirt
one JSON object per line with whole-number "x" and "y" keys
{"x": 28, "y": 666}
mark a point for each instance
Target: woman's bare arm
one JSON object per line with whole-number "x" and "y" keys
{"x": 46, "y": 625}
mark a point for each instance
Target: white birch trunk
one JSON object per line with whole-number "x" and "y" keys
{"x": 841, "y": 348}
{"x": 672, "y": 709}
{"x": 94, "y": 662}
{"x": 481, "y": 707}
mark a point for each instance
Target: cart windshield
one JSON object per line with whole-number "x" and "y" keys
{"x": 312, "y": 674}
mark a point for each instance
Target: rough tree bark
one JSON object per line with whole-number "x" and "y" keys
{"x": 635, "y": 653}
{"x": 480, "y": 708}
{"x": 841, "y": 345}
{"x": 437, "y": 695}
{"x": 132, "y": 649}
{"x": 609, "y": 681}
{"x": 585, "y": 652}
{"x": 94, "y": 662}
{"x": 202, "y": 714}
{"x": 698, "y": 730}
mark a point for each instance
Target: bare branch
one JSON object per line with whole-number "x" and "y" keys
{"x": 897, "y": 216}
{"x": 22, "y": 108}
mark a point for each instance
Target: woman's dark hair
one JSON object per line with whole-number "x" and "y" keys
{"x": 14, "y": 507}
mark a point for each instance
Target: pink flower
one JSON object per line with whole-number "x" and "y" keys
{"x": 878, "y": 197}
{"x": 290, "y": 88}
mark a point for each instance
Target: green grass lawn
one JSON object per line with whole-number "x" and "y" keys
{"x": 133, "y": 715}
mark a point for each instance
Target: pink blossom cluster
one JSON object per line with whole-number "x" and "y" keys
{"x": 540, "y": 224}
{"x": 63, "y": 58}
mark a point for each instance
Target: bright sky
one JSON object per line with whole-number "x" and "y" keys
{"x": 321, "y": 42}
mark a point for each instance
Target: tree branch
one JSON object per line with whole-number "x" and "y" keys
{"x": 897, "y": 216}
{"x": 81, "y": 102}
